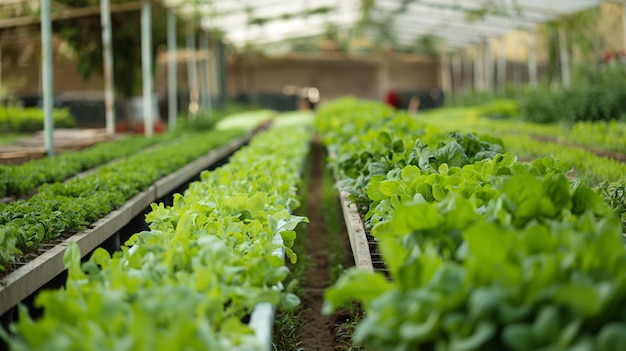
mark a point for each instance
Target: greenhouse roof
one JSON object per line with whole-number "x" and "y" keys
{"x": 457, "y": 23}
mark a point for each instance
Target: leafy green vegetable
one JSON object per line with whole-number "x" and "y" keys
{"x": 69, "y": 207}
{"x": 189, "y": 281}
{"x": 485, "y": 252}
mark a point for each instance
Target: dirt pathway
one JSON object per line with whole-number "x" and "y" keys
{"x": 318, "y": 331}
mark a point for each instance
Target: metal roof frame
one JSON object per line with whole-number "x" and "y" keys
{"x": 459, "y": 23}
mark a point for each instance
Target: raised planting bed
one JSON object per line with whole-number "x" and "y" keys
{"x": 29, "y": 277}
{"x": 484, "y": 252}
{"x": 362, "y": 245}
{"x": 193, "y": 280}
{"x": 62, "y": 209}
{"x": 23, "y": 179}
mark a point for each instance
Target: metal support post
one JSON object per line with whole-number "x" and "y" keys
{"x": 445, "y": 76}
{"x": 146, "y": 65}
{"x": 564, "y": 55}
{"x": 502, "y": 66}
{"x": 457, "y": 76}
{"x": 206, "y": 50}
{"x": 479, "y": 78}
{"x": 624, "y": 26}
{"x": 46, "y": 71}
{"x": 532, "y": 58}
{"x": 107, "y": 55}
{"x": 172, "y": 101}
{"x": 489, "y": 64}
{"x": 192, "y": 74}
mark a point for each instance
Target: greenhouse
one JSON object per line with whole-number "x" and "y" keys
{"x": 313, "y": 175}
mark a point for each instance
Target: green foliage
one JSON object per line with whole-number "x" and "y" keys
{"x": 592, "y": 168}
{"x": 576, "y": 144}
{"x": 63, "y": 208}
{"x": 22, "y": 179}
{"x": 487, "y": 254}
{"x": 428, "y": 44}
{"x": 14, "y": 119}
{"x": 390, "y": 142}
{"x": 206, "y": 120}
{"x": 599, "y": 97}
{"x": 500, "y": 108}
{"x": 473, "y": 98}
{"x": 615, "y": 196}
{"x": 189, "y": 282}
{"x": 84, "y": 35}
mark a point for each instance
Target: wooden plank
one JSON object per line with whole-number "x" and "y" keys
{"x": 356, "y": 233}
{"x": 22, "y": 282}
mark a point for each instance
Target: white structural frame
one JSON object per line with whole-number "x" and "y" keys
{"x": 460, "y": 24}
{"x": 47, "y": 76}
{"x": 107, "y": 55}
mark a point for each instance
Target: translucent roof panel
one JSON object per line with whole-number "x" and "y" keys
{"x": 261, "y": 22}
{"x": 458, "y": 23}
{"x": 463, "y": 23}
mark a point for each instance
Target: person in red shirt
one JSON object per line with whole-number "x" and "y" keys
{"x": 392, "y": 99}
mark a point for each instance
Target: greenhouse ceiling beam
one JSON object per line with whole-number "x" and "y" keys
{"x": 311, "y": 33}
{"x": 450, "y": 29}
{"x": 443, "y": 34}
{"x": 69, "y": 13}
{"x": 229, "y": 11}
{"x": 422, "y": 9}
{"x": 448, "y": 38}
{"x": 451, "y": 15}
{"x": 276, "y": 32}
{"x": 446, "y": 32}
{"x": 436, "y": 25}
{"x": 452, "y": 43}
{"x": 551, "y": 8}
{"x": 241, "y": 18}
{"x": 487, "y": 22}
{"x": 267, "y": 8}
{"x": 223, "y": 8}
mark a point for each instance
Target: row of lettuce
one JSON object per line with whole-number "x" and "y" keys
{"x": 30, "y": 119}
{"x": 494, "y": 119}
{"x": 63, "y": 208}
{"x": 23, "y": 179}
{"x": 193, "y": 278}
{"x": 485, "y": 252}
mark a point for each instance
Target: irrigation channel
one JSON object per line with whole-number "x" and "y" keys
{"x": 326, "y": 246}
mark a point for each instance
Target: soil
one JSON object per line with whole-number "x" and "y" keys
{"x": 319, "y": 332}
